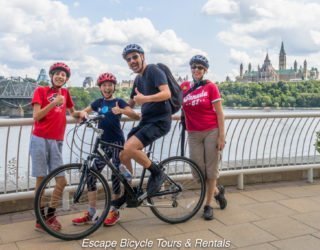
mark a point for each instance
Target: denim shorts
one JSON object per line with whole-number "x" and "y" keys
{"x": 46, "y": 155}
{"x": 149, "y": 132}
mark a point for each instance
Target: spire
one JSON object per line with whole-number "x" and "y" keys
{"x": 282, "y": 52}
{"x": 267, "y": 58}
{"x": 241, "y": 70}
{"x": 295, "y": 66}
{"x": 282, "y": 58}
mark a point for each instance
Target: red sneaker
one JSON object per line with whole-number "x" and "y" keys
{"x": 112, "y": 218}
{"x": 86, "y": 219}
{"x": 38, "y": 228}
{"x": 54, "y": 223}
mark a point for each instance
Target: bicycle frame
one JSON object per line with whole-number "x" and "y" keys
{"x": 135, "y": 196}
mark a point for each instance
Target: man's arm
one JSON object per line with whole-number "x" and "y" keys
{"x": 163, "y": 95}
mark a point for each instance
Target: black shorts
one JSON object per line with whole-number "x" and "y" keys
{"x": 149, "y": 132}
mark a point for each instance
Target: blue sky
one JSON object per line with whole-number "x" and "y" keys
{"x": 90, "y": 35}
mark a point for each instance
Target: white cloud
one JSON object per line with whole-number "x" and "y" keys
{"x": 265, "y": 24}
{"x": 237, "y": 57}
{"x": 14, "y": 53}
{"x": 255, "y": 27}
{"x": 240, "y": 40}
{"x": 216, "y": 7}
{"x": 44, "y": 31}
{"x": 315, "y": 36}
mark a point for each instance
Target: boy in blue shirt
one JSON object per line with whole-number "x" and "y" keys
{"x": 112, "y": 108}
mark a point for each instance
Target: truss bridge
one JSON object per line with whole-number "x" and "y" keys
{"x": 15, "y": 96}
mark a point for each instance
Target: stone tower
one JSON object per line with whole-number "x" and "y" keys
{"x": 295, "y": 66}
{"x": 42, "y": 77}
{"x": 305, "y": 69}
{"x": 88, "y": 82}
{"x": 241, "y": 70}
{"x": 282, "y": 58}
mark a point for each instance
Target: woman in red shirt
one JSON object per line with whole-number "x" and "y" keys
{"x": 202, "y": 106}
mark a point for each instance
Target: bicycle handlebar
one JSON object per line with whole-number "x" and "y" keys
{"x": 90, "y": 121}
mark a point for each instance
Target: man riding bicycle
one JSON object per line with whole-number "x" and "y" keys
{"x": 152, "y": 92}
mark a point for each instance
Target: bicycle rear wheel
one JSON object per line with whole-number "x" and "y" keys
{"x": 179, "y": 206}
{"x": 52, "y": 193}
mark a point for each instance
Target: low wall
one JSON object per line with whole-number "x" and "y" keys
{"x": 298, "y": 175}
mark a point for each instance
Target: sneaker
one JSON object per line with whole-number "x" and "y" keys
{"x": 86, "y": 219}
{"x": 208, "y": 212}
{"x": 54, "y": 223}
{"x": 155, "y": 182}
{"x": 38, "y": 228}
{"x": 220, "y": 199}
{"x": 112, "y": 218}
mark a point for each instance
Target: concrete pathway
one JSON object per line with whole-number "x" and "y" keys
{"x": 262, "y": 217}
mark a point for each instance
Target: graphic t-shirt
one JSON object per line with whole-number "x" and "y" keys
{"x": 111, "y": 122}
{"x": 198, "y": 106}
{"x": 53, "y": 125}
{"x": 148, "y": 84}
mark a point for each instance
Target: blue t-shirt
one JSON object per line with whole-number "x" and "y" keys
{"x": 148, "y": 84}
{"x": 111, "y": 123}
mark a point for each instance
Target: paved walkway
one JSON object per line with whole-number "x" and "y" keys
{"x": 268, "y": 216}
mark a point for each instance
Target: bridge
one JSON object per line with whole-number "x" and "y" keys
{"x": 15, "y": 95}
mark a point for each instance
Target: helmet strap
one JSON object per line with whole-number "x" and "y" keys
{"x": 142, "y": 65}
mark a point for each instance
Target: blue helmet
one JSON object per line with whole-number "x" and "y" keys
{"x": 132, "y": 48}
{"x": 200, "y": 60}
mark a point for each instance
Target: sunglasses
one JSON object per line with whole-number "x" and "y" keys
{"x": 197, "y": 67}
{"x": 135, "y": 57}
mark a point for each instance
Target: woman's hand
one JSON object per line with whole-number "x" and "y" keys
{"x": 221, "y": 143}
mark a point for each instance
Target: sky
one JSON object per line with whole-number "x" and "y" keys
{"x": 89, "y": 35}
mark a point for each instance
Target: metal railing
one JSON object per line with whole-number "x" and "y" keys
{"x": 256, "y": 143}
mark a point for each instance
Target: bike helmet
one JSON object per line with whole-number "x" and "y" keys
{"x": 60, "y": 66}
{"x": 132, "y": 48}
{"x": 200, "y": 60}
{"x": 106, "y": 77}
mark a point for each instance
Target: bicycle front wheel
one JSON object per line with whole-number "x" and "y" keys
{"x": 183, "y": 191}
{"x": 58, "y": 189}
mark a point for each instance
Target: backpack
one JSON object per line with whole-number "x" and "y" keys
{"x": 176, "y": 93}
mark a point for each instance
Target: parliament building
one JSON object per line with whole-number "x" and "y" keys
{"x": 267, "y": 73}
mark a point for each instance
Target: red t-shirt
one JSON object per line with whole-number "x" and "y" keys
{"x": 199, "y": 108}
{"x": 53, "y": 125}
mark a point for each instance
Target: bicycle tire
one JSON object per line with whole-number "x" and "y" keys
{"x": 180, "y": 207}
{"x": 66, "y": 210}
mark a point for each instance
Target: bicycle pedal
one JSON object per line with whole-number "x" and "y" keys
{"x": 147, "y": 204}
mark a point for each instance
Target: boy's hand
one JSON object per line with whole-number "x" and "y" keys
{"x": 83, "y": 115}
{"x": 117, "y": 110}
{"x": 59, "y": 99}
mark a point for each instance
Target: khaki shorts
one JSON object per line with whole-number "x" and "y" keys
{"x": 203, "y": 151}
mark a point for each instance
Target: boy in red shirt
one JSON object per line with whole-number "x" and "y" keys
{"x": 49, "y": 113}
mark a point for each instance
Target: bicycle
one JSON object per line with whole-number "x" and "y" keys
{"x": 180, "y": 198}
